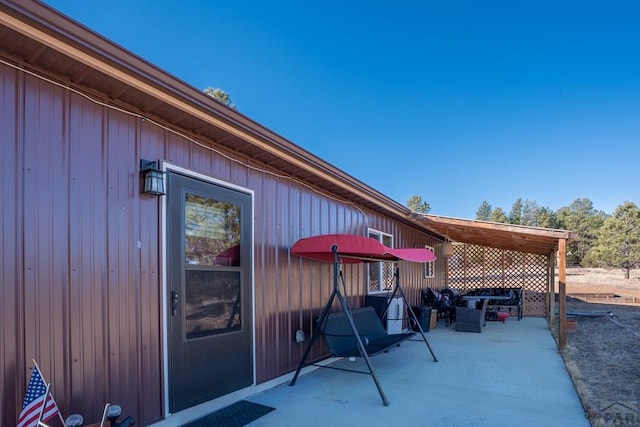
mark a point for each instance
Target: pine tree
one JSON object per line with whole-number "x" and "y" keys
{"x": 416, "y": 204}
{"x": 582, "y": 218}
{"x": 618, "y": 242}
{"x": 515, "y": 216}
{"x": 498, "y": 215}
{"x": 221, "y": 96}
{"x": 484, "y": 212}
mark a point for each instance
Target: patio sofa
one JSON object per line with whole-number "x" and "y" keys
{"x": 507, "y": 300}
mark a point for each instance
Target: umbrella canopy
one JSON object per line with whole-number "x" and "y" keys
{"x": 354, "y": 249}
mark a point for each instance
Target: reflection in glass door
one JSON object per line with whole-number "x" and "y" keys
{"x": 212, "y": 240}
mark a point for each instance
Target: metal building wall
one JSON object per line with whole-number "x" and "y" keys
{"x": 10, "y": 249}
{"x": 76, "y": 286}
{"x": 80, "y": 252}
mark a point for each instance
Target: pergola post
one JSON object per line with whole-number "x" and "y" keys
{"x": 562, "y": 293}
{"x": 550, "y": 309}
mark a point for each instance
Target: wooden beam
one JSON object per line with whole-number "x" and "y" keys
{"x": 562, "y": 293}
{"x": 550, "y": 309}
{"x": 517, "y": 238}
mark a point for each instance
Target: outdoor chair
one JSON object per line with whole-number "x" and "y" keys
{"x": 469, "y": 319}
{"x": 444, "y": 302}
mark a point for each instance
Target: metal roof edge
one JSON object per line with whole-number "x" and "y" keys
{"x": 104, "y": 55}
{"x": 551, "y": 232}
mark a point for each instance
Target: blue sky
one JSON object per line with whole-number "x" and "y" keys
{"x": 455, "y": 101}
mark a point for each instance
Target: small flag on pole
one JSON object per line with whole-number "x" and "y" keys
{"x": 33, "y": 411}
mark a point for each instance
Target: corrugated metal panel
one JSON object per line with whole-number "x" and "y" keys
{"x": 79, "y": 294}
{"x": 81, "y": 251}
{"x": 11, "y": 252}
{"x": 88, "y": 231}
{"x": 149, "y": 339}
{"x": 122, "y": 294}
{"x": 45, "y": 268}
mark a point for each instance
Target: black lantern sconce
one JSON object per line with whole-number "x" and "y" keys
{"x": 153, "y": 178}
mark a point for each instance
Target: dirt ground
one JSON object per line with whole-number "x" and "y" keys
{"x": 602, "y": 354}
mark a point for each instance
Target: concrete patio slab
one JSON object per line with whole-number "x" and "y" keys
{"x": 510, "y": 374}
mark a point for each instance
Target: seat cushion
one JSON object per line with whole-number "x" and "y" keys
{"x": 502, "y": 316}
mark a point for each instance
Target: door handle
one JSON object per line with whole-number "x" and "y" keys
{"x": 174, "y": 302}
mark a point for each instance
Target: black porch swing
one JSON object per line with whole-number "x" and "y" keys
{"x": 358, "y": 332}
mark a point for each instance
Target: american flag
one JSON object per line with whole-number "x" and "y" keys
{"x": 33, "y": 400}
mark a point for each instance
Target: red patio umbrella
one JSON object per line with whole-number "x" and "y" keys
{"x": 354, "y": 249}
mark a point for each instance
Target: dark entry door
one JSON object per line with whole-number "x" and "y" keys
{"x": 209, "y": 291}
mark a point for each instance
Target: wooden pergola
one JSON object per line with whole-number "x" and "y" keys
{"x": 534, "y": 240}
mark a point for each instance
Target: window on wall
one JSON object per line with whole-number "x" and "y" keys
{"x": 428, "y": 266}
{"x": 380, "y": 278}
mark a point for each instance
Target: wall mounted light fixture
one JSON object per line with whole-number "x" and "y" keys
{"x": 153, "y": 178}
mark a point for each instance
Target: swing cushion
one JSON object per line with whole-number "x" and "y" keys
{"x": 341, "y": 339}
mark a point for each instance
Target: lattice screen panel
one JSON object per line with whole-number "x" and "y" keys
{"x": 387, "y": 276}
{"x": 472, "y": 267}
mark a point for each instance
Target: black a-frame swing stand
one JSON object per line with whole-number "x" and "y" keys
{"x": 362, "y": 348}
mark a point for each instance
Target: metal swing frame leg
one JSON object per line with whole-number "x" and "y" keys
{"x": 314, "y": 337}
{"x": 349, "y": 316}
{"x": 398, "y": 288}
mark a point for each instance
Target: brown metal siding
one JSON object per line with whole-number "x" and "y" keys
{"x": 88, "y": 231}
{"x": 81, "y": 263}
{"x": 79, "y": 296}
{"x": 45, "y": 223}
{"x": 10, "y": 247}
